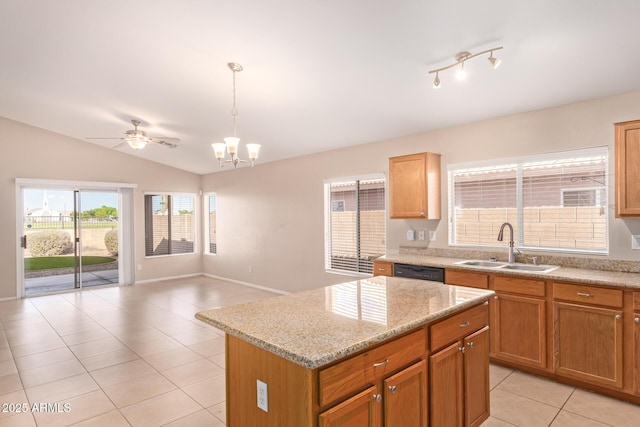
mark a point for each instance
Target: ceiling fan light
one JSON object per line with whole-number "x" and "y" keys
{"x": 137, "y": 141}
{"x": 436, "y": 82}
{"x": 218, "y": 149}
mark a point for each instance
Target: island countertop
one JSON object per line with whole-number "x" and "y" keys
{"x": 316, "y": 327}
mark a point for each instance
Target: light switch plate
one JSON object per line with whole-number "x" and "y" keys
{"x": 432, "y": 235}
{"x": 420, "y": 234}
{"x": 635, "y": 241}
{"x": 411, "y": 235}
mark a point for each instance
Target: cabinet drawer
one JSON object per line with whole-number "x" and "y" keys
{"x": 517, "y": 285}
{"x": 466, "y": 278}
{"x": 338, "y": 381}
{"x": 587, "y": 294}
{"x": 458, "y": 326}
{"x": 382, "y": 268}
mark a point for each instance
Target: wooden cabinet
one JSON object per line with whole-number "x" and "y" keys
{"x": 414, "y": 186}
{"x": 636, "y": 342}
{"x": 382, "y": 268}
{"x": 459, "y": 383}
{"x": 518, "y": 321}
{"x": 627, "y": 164}
{"x": 588, "y": 338}
{"x": 471, "y": 279}
{"x": 359, "y": 411}
{"x": 405, "y": 397}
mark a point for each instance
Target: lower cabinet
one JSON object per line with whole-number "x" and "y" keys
{"x": 459, "y": 370}
{"x": 588, "y": 343}
{"x": 401, "y": 402}
{"x": 518, "y": 321}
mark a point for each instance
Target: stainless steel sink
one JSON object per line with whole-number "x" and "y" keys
{"x": 528, "y": 267}
{"x": 497, "y": 265}
{"x": 475, "y": 263}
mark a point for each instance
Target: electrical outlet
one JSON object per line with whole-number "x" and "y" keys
{"x": 420, "y": 234}
{"x": 263, "y": 396}
{"x": 635, "y": 241}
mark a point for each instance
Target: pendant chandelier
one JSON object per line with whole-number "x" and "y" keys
{"x": 230, "y": 144}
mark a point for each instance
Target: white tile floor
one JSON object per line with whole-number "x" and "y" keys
{"x": 136, "y": 356}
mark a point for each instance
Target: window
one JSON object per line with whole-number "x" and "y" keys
{"x": 210, "y": 224}
{"x": 169, "y": 224}
{"x": 355, "y": 218}
{"x": 554, "y": 202}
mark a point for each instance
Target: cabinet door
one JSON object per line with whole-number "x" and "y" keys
{"x": 476, "y": 377}
{"x": 518, "y": 330}
{"x": 362, "y": 410}
{"x": 445, "y": 392}
{"x": 405, "y": 397}
{"x": 636, "y": 352}
{"x": 627, "y": 154}
{"x": 588, "y": 343}
{"x": 382, "y": 268}
{"x": 414, "y": 186}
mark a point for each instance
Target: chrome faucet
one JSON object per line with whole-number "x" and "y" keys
{"x": 512, "y": 250}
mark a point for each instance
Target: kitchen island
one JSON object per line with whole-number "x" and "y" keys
{"x": 367, "y": 352}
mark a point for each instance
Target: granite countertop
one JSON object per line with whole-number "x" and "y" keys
{"x": 580, "y": 275}
{"x": 316, "y": 327}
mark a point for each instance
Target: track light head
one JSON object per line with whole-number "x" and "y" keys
{"x": 461, "y": 74}
{"x": 495, "y": 62}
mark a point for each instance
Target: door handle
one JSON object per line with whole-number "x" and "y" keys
{"x": 23, "y": 242}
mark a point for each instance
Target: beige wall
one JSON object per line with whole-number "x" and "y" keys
{"x": 29, "y": 152}
{"x": 270, "y": 217}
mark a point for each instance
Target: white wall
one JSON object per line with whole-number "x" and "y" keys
{"x": 29, "y": 152}
{"x": 271, "y": 217}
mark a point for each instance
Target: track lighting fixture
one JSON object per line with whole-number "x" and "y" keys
{"x": 461, "y": 58}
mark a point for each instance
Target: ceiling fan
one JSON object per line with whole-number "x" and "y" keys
{"x": 138, "y": 139}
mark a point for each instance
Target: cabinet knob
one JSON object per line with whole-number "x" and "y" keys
{"x": 618, "y": 316}
{"x": 470, "y": 344}
{"x": 461, "y": 349}
{"x": 377, "y": 397}
{"x": 636, "y": 319}
{"x": 393, "y": 389}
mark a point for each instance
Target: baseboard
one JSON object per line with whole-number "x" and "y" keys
{"x": 161, "y": 279}
{"x": 8, "y": 298}
{"x": 251, "y": 285}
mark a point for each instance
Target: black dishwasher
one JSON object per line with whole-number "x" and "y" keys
{"x": 410, "y": 271}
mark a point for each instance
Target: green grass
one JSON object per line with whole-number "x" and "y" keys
{"x": 48, "y": 262}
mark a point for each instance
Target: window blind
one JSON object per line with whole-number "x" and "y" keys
{"x": 169, "y": 224}
{"x": 355, "y": 223}
{"x": 556, "y": 202}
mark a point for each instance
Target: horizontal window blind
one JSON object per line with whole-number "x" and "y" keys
{"x": 169, "y": 224}
{"x": 355, "y": 217}
{"x": 555, "y": 202}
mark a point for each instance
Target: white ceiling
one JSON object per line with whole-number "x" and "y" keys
{"x": 318, "y": 74}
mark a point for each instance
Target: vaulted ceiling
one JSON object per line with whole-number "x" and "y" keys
{"x": 318, "y": 74}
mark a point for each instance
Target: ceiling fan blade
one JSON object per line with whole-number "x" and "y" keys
{"x": 106, "y": 137}
{"x": 162, "y": 138}
{"x": 164, "y": 143}
{"x": 115, "y": 147}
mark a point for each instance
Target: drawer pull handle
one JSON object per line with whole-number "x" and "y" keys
{"x": 381, "y": 269}
{"x": 393, "y": 389}
{"x": 383, "y": 363}
{"x": 584, "y": 294}
{"x": 465, "y": 324}
{"x": 377, "y": 397}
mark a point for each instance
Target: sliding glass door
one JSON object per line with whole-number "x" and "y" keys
{"x": 70, "y": 239}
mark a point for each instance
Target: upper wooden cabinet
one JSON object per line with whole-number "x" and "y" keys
{"x": 414, "y": 186}
{"x": 627, "y": 154}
